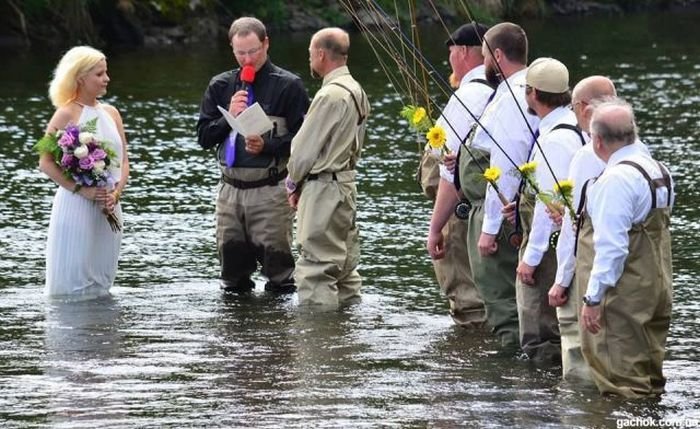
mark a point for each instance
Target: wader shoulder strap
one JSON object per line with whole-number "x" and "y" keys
{"x": 652, "y": 185}
{"x": 483, "y": 81}
{"x": 354, "y": 99}
{"x": 580, "y": 212}
{"x": 666, "y": 181}
{"x": 573, "y": 128}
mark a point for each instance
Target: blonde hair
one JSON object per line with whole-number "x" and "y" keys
{"x": 74, "y": 64}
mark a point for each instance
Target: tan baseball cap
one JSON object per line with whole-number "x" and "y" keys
{"x": 548, "y": 75}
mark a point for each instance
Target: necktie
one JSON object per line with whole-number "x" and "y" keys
{"x": 230, "y": 142}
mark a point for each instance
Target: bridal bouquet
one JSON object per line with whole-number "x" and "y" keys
{"x": 83, "y": 158}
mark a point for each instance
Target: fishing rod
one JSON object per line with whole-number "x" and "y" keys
{"x": 402, "y": 65}
{"x": 536, "y": 142}
{"x": 416, "y": 53}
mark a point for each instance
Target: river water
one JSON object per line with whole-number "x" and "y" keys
{"x": 168, "y": 349}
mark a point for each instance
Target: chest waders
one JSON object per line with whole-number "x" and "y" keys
{"x": 626, "y": 356}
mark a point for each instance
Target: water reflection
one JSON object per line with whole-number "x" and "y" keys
{"x": 81, "y": 342}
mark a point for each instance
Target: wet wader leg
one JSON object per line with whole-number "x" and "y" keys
{"x": 269, "y": 221}
{"x": 539, "y": 326}
{"x": 494, "y": 276}
{"x": 236, "y": 256}
{"x": 454, "y": 275}
{"x": 349, "y": 281}
{"x": 322, "y": 233}
{"x": 574, "y": 368}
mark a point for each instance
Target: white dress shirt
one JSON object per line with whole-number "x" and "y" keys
{"x": 558, "y": 148}
{"x": 474, "y": 95}
{"x": 584, "y": 166}
{"x": 504, "y": 121}
{"x": 619, "y": 199}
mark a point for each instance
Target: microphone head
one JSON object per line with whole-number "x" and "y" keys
{"x": 248, "y": 74}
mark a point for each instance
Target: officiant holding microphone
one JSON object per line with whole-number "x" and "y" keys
{"x": 253, "y": 218}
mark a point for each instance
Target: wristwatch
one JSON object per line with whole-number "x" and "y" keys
{"x": 590, "y": 302}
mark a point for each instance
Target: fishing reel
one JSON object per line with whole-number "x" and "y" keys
{"x": 462, "y": 209}
{"x": 515, "y": 239}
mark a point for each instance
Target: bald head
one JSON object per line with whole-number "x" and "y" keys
{"x": 335, "y": 41}
{"x": 585, "y": 95}
{"x": 593, "y": 88}
{"x": 613, "y": 123}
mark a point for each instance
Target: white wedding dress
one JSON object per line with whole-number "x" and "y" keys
{"x": 82, "y": 251}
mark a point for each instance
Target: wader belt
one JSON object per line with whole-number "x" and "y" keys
{"x": 315, "y": 176}
{"x": 272, "y": 180}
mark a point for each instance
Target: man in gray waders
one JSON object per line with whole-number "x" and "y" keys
{"x": 253, "y": 219}
{"x": 624, "y": 258}
{"x": 321, "y": 182}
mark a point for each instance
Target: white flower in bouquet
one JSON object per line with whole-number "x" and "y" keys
{"x": 99, "y": 167}
{"x": 86, "y": 137}
{"x": 81, "y": 151}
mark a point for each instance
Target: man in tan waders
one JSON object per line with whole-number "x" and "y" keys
{"x": 447, "y": 234}
{"x": 624, "y": 257}
{"x": 493, "y": 260}
{"x": 253, "y": 219}
{"x": 559, "y": 139}
{"x": 321, "y": 181}
{"x": 564, "y": 294}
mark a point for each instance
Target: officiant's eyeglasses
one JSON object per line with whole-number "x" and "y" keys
{"x": 249, "y": 52}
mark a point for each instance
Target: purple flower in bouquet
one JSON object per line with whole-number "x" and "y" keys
{"x": 67, "y": 139}
{"x": 86, "y": 163}
{"x": 67, "y": 160}
{"x": 98, "y": 154}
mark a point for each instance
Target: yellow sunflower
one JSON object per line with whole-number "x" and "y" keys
{"x": 564, "y": 187}
{"x": 418, "y": 116}
{"x": 492, "y": 174}
{"x": 436, "y": 137}
{"x": 528, "y": 168}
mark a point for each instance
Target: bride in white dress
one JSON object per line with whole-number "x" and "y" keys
{"x": 82, "y": 250}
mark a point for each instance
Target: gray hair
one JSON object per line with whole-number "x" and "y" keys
{"x": 613, "y": 121}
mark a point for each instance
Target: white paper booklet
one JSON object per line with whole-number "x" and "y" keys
{"x": 252, "y": 121}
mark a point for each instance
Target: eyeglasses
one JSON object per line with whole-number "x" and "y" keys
{"x": 573, "y": 105}
{"x": 249, "y": 52}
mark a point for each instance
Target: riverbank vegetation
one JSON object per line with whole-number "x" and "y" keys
{"x": 164, "y": 22}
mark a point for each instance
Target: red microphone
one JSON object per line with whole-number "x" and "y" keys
{"x": 247, "y": 78}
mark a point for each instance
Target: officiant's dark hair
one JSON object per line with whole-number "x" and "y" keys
{"x": 246, "y": 25}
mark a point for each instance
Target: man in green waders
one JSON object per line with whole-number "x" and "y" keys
{"x": 624, "y": 258}
{"x": 321, "y": 181}
{"x": 492, "y": 258}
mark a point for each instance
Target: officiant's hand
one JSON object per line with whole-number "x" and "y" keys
{"x": 254, "y": 144}
{"x": 239, "y": 102}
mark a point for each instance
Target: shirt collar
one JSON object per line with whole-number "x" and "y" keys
{"x": 335, "y": 73}
{"x": 626, "y": 152}
{"x": 475, "y": 73}
{"x": 560, "y": 115}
